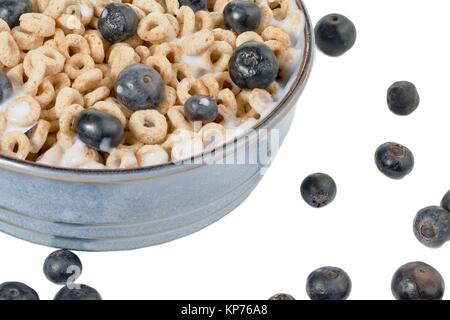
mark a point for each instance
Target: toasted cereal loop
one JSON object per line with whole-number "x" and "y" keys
{"x": 67, "y": 119}
{"x": 66, "y": 97}
{"x": 213, "y": 135}
{"x": 149, "y": 126}
{"x": 177, "y": 118}
{"x": 211, "y": 83}
{"x": 180, "y": 72}
{"x": 148, "y": 6}
{"x": 266, "y": 17}
{"x": 218, "y": 55}
{"x": 151, "y": 155}
{"x": 278, "y": 48}
{"x": 198, "y": 42}
{"x": 16, "y": 145}
{"x": 59, "y": 81}
{"x": 45, "y": 93}
{"x": 155, "y": 28}
{"x": 186, "y": 20}
{"x": 25, "y": 40}
{"x": 162, "y": 66}
{"x": 187, "y": 149}
{"x": 95, "y": 96}
{"x": 54, "y": 8}
{"x": 248, "y": 36}
{"x": 173, "y": 6}
{"x": 227, "y": 98}
{"x": 203, "y": 20}
{"x": 274, "y": 33}
{"x": 96, "y": 46}
{"x": 225, "y": 35}
{"x": 143, "y": 52}
{"x": 219, "y": 5}
{"x": 4, "y": 26}
{"x": 3, "y": 122}
{"x": 23, "y": 111}
{"x": 122, "y": 159}
{"x": 9, "y": 50}
{"x": 70, "y": 24}
{"x": 88, "y": 80}
{"x": 169, "y": 100}
{"x": 38, "y": 135}
{"x": 226, "y": 83}
{"x": 78, "y": 64}
{"x": 279, "y": 8}
{"x": 38, "y": 23}
{"x": 188, "y": 87}
{"x": 130, "y": 142}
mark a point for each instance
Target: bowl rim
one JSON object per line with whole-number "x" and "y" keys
{"x": 120, "y": 175}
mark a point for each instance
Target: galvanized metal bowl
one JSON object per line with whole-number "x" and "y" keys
{"x": 128, "y": 209}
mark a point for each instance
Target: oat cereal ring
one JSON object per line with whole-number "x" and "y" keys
{"x": 225, "y": 35}
{"x": 173, "y": 6}
{"x": 227, "y": 98}
{"x": 54, "y": 126}
{"x": 9, "y": 50}
{"x": 225, "y": 82}
{"x": 162, "y": 66}
{"x": 186, "y": 21}
{"x": 266, "y": 18}
{"x": 187, "y": 149}
{"x": 34, "y": 79}
{"x": 113, "y": 52}
{"x": 82, "y": 9}
{"x": 218, "y": 55}
{"x": 77, "y": 44}
{"x": 107, "y": 79}
{"x": 171, "y": 50}
{"x": 174, "y": 23}
{"x": 96, "y": 46}
{"x": 275, "y": 33}
{"x": 39, "y": 5}
{"x": 152, "y": 155}
{"x": 45, "y": 93}
{"x": 38, "y": 135}
{"x": 169, "y": 100}
{"x": 180, "y": 72}
{"x": 78, "y": 64}
{"x": 134, "y": 41}
{"x": 23, "y": 111}
{"x": 189, "y": 87}
{"x": 211, "y": 84}
{"x": 54, "y": 8}
{"x": 53, "y": 60}
{"x": 4, "y": 27}
{"x": 66, "y": 97}
{"x": 139, "y": 12}
{"x": 67, "y": 119}
{"x": 148, "y": 126}
{"x": 17, "y": 74}
{"x": 273, "y": 89}
{"x": 70, "y": 24}
{"x": 16, "y": 145}
{"x": 130, "y": 142}
{"x": 219, "y": 5}
{"x": 253, "y": 103}
{"x": 279, "y": 8}
{"x": 122, "y": 159}
{"x": 149, "y": 6}
{"x": 50, "y": 142}
{"x": 213, "y": 135}
{"x": 95, "y": 96}
{"x": 26, "y": 41}
{"x": 248, "y": 36}
{"x": 127, "y": 112}
{"x": 288, "y": 62}
{"x": 198, "y": 42}
{"x": 203, "y": 20}
{"x": 59, "y": 81}
{"x": 178, "y": 120}
{"x": 3, "y": 122}
{"x": 143, "y": 52}
{"x": 112, "y": 109}
{"x": 38, "y": 23}
{"x": 120, "y": 58}
{"x": 65, "y": 140}
{"x": 155, "y": 28}
{"x": 277, "y": 47}
{"x": 88, "y": 80}
{"x": 49, "y": 115}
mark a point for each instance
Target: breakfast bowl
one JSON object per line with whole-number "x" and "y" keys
{"x": 123, "y": 209}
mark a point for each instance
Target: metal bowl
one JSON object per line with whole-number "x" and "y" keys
{"x": 127, "y": 209}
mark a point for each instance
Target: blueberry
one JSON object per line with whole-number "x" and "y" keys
{"x": 403, "y": 98}
{"x": 117, "y": 22}
{"x": 82, "y": 292}
{"x": 195, "y": 5}
{"x": 394, "y": 160}
{"x": 318, "y": 190}
{"x": 281, "y": 297}
{"x": 11, "y": 10}
{"x": 99, "y": 130}
{"x": 253, "y": 65}
{"x": 417, "y": 281}
{"x": 432, "y": 226}
{"x": 445, "y": 203}
{"x": 6, "y": 88}
{"x": 241, "y": 16}
{"x": 139, "y": 87}
{"x": 17, "y": 291}
{"x": 335, "y": 34}
{"x": 328, "y": 283}
{"x": 61, "y": 265}
{"x": 201, "y": 108}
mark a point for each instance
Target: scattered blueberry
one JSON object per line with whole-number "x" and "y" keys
{"x": 328, "y": 283}
{"x": 403, "y": 98}
{"x": 241, "y": 16}
{"x": 117, "y": 22}
{"x": 394, "y": 160}
{"x": 99, "y": 130}
{"x": 61, "y": 265}
{"x": 432, "y": 226}
{"x": 6, "y": 88}
{"x": 282, "y": 297}
{"x": 83, "y": 292}
{"x": 195, "y": 5}
{"x": 335, "y": 34}
{"x": 201, "y": 108}
{"x": 318, "y": 190}
{"x": 17, "y": 291}
{"x": 253, "y": 65}
{"x": 417, "y": 281}
{"x": 445, "y": 203}
{"x": 11, "y": 10}
{"x": 139, "y": 87}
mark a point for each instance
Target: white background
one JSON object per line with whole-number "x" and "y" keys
{"x": 274, "y": 240}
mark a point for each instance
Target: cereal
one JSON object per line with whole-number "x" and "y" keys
{"x": 78, "y": 64}
{"x": 38, "y": 23}
{"x": 218, "y": 55}
{"x": 177, "y": 118}
{"x": 248, "y": 36}
{"x": 162, "y": 66}
{"x": 188, "y": 87}
{"x": 186, "y": 20}
{"x": 122, "y": 159}
{"x": 23, "y": 111}
{"x": 151, "y": 155}
{"x": 88, "y": 80}
{"x": 148, "y": 126}
{"x": 198, "y": 42}
{"x": 38, "y": 135}
{"x": 9, "y": 50}
{"x": 26, "y": 40}
{"x": 16, "y": 145}
{"x": 155, "y": 28}
{"x": 68, "y": 117}
{"x": 66, "y": 97}
{"x": 95, "y": 96}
